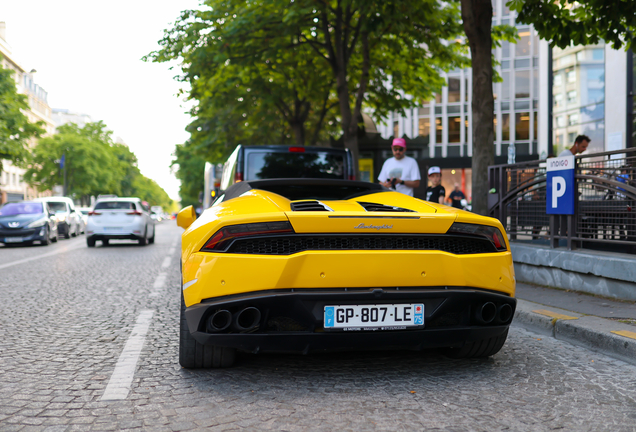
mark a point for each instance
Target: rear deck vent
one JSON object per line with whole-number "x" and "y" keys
{"x": 373, "y": 207}
{"x": 312, "y": 205}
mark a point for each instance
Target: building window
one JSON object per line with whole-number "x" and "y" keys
{"x": 467, "y": 129}
{"x": 560, "y": 121}
{"x": 424, "y": 127}
{"x": 453, "y": 90}
{"x": 571, "y": 76}
{"x": 505, "y": 85}
{"x": 572, "y": 96}
{"x": 558, "y": 80}
{"x": 438, "y": 98}
{"x": 573, "y": 119}
{"x": 454, "y": 129}
{"x": 522, "y": 126}
{"x": 424, "y": 111}
{"x": 522, "y": 49}
{"x": 505, "y": 49}
{"x": 535, "y": 125}
{"x": 438, "y": 130}
{"x": 522, "y": 84}
{"x": 505, "y": 127}
{"x": 558, "y": 100}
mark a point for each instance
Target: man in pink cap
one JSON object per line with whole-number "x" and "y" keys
{"x": 400, "y": 172}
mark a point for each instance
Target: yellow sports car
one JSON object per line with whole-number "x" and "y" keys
{"x": 302, "y": 265}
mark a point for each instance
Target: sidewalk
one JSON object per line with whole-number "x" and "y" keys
{"x": 597, "y": 323}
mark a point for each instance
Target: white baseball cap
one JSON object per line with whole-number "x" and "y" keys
{"x": 434, "y": 170}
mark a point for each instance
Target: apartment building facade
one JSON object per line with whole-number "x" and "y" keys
{"x": 12, "y": 184}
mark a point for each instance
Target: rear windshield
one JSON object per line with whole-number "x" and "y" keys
{"x": 115, "y": 205}
{"x": 268, "y": 165}
{"x": 57, "y": 206}
{"x": 12, "y": 209}
{"x": 318, "y": 192}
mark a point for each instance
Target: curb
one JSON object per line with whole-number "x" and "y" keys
{"x": 591, "y": 332}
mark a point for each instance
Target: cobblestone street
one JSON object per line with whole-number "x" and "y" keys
{"x": 68, "y": 315}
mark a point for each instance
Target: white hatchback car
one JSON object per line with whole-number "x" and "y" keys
{"x": 120, "y": 218}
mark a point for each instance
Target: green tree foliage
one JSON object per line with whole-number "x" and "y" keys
{"x": 189, "y": 170}
{"x": 15, "y": 128}
{"x": 271, "y": 92}
{"x": 301, "y": 48}
{"x": 566, "y": 23}
{"x": 94, "y": 165}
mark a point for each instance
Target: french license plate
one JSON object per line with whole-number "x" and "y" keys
{"x": 112, "y": 228}
{"x": 374, "y": 317}
{"x": 13, "y": 240}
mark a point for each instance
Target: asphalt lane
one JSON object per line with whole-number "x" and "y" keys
{"x": 69, "y": 318}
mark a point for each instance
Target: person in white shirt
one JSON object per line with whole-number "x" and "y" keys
{"x": 580, "y": 145}
{"x": 400, "y": 172}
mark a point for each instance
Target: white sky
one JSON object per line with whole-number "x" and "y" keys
{"x": 87, "y": 54}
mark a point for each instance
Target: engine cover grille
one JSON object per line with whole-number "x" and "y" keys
{"x": 290, "y": 244}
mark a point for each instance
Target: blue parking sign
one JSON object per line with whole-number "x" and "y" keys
{"x": 560, "y": 186}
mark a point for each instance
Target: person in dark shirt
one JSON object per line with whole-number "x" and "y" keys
{"x": 436, "y": 192}
{"x": 456, "y": 196}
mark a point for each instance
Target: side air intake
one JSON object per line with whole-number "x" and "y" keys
{"x": 373, "y": 207}
{"x": 312, "y": 205}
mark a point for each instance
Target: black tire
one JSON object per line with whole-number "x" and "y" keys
{"x": 74, "y": 233}
{"x": 105, "y": 242}
{"x": 90, "y": 242}
{"x": 54, "y": 239}
{"x": 47, "y": 238}
{"x": 192, "y": 354}
{"x": 477, "y": 349}
{"x": 151, "y": 240}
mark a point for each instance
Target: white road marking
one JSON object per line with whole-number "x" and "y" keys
{"x": 120, "y": 381}
{"x": 166, "y": 262}
{"x": 44, "y": 255}
{"x": 160, "y": 282}
{"x": 171, "y": 251}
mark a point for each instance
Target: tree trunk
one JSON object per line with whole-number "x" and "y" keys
{"x": 477, "y": 20}
{"x": 298, "y": 128}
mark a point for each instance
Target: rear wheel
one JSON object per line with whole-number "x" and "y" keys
{"x": 480, "y": 348}
{"x": 192, "y": 354}
{"x": 151, "y": 240}
{"x": 105, "y": 242}
{"x": 90, "y": 242}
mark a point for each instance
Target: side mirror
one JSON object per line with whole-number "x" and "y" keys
{"x": 186, "y": 216}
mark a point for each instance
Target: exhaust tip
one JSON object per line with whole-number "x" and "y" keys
{"x": 504, "y": 313}
{"x": 219, "y": 321}
{"x": 247, "y": 319}
{"x": 486, "y": 313}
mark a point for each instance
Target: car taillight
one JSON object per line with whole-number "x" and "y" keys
{"x": 134, "y": 213}
{"x": 352, "y": 177}
{"x": 488, "y": 232}
{"x": 93, "y": 213}
{"x": 238, "y": 177}
{"x": 297, "y": 149}
{"x": 222, "y": 238}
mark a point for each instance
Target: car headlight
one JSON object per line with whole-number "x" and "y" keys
{"x": 38, "y": 223}
{"x": 61, "y": 218}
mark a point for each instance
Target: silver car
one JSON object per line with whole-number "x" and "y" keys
{"x": 121, "y": 219}
{"x": 68, "y": 219}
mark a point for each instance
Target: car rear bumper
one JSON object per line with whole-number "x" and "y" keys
{"x": 118, "y": 236}
{"x": 292, "y": 321}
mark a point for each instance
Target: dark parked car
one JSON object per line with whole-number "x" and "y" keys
{"x": 27, "y": 221}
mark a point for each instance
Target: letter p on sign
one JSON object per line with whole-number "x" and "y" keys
{"x": 560, "y": 185}
{"x": 558, "y": 189}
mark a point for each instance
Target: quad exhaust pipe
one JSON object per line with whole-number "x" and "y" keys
{"x": 486, "y": 313}
{"x": 489, "y": 312}
{"x": 219, "y": 321}
{"x": 246, "y": 319}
